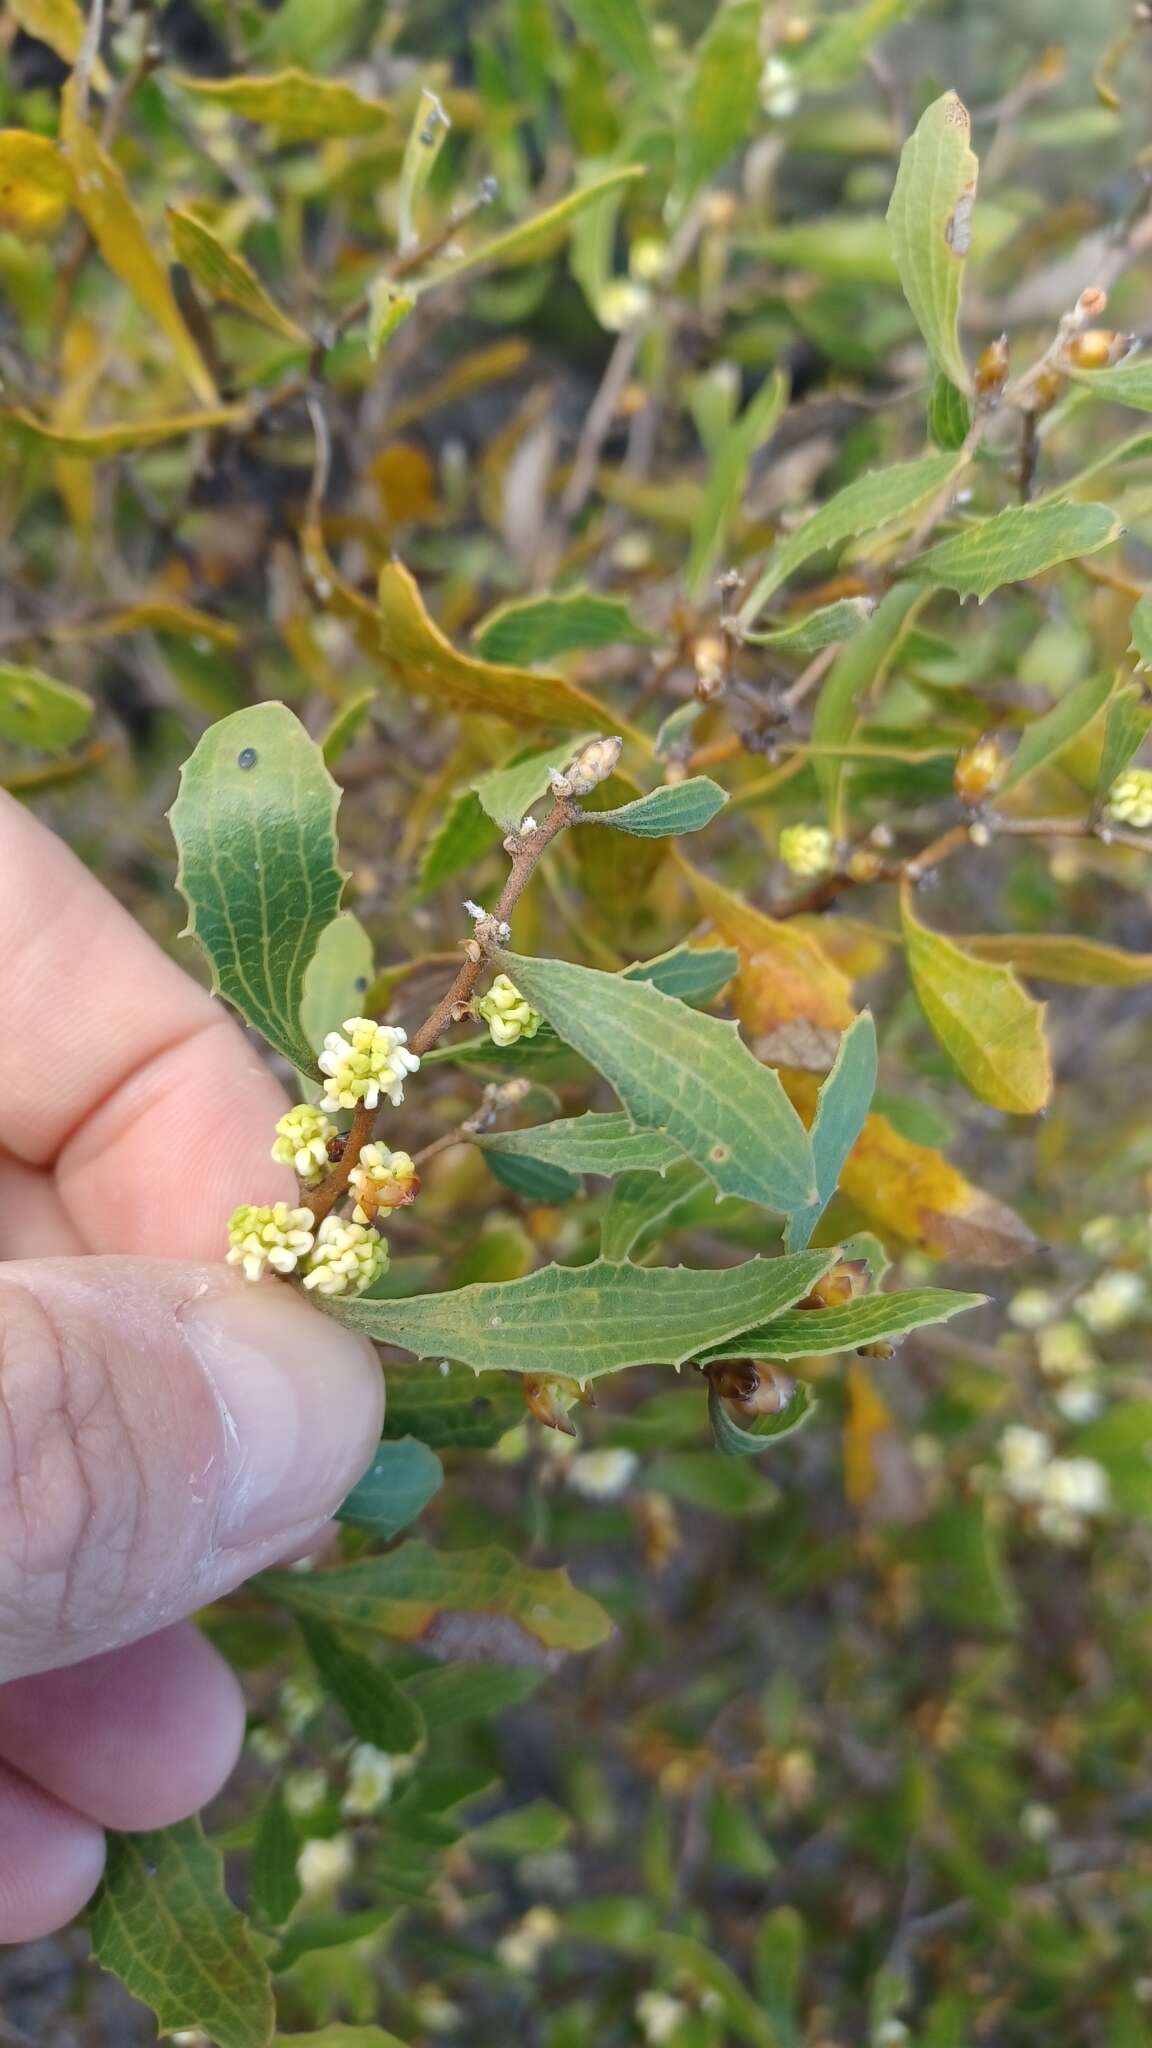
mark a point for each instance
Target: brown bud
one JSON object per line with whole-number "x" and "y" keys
{"x": 710, "y": 658}
{"x": 979, "y": 770}
{"x": 864, "y": 865}
{"x": 1091, "y": 302}
{"x": 750, "y": 1386}
{"x": 398, "y": 1194}
{"x": 992, "y": 368}
{"x": 1045, "y": 391}
{"x": 335, "y": 1148}
{"x": 550, "y": 1400}
{"x": 1098, "y": 348}
{"x": 842, "y": 1283}
{"x": 881, "y": 1349}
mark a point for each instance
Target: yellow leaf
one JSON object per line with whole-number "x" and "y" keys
{"x": 95, "y": 444}
{"x": 417, "y": 656}
{"x": 868, "y": 1419}
{"x": 785, "y": 974}
{"x": 115, "y": 226}
{"x": 299, "y": 107}
{"x": 912, "y": 1192}
{"x": 82, "y": 362}
{"x": 1062, "y": 956}
{"x": 35, "y": 183}
{"x": 155, "y": 615}
{"x": 225, "y": 275}
{"x": 59, "y": 23}
{"x": 987, "y": 1023}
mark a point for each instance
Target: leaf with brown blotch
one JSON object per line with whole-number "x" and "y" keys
{"x": 785, "y": 975}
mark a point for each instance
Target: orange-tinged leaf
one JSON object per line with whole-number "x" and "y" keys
{"x": 103, "y": 199}
{"x": 417, "y": 656}
{"x": 96, "y": 444}
{"x": 36, "y": 187}
{"x": 299, "y": 107}
{"x": 785, "y": 974}
{"x": 986, "y": 1022}
{"x": 912, "y": 1192}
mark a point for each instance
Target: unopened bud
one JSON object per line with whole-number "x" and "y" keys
{"x": 979, "y": 770}
{"x": 1091, "y": 302}
{"x": 710, "y": 660}
{"x": 750, "y": 1386}
{"x": 1098, "y": 348}
{"x": 549, "y": 1401}
{"x": 881, "y": 1349}
{"x": 992, "y": 368}
{"x": 1045, "y": 391}
{"x": 593, "y": 764}
{"x": 840, "y": 1285}
{"x": 864, "y": 865}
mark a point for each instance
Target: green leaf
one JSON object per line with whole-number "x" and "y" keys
{"x": 388, "y": 307}
{"x": 540, "y": 628}
{"x": 1140, "y": 626}
{"x": 930, "y": 222}
{"x": 619, "y": 30}
{"x": 681, "y": 1072}
{"x": 164, "y": 1924}
{"x": 337, "y": 2036}
{"x": 464, "y": 838}
{"x": 949, "y": 413}
{"x": 819, "y": 1332}
{"x": 312, "y": 1932}
{"x": 702, "y": 1480}
{"x": 722, "y": 103}
{"x": 816, "y": 630}
{"x": 541, "y": 233}
{"x": 37, "y": 711}
{"x": 449, "y": 1409}
{"x": 273, "y": 1885}
{"x": 1019, "y": 542}
{"x": 426, "y": 137}
{"x": 738, "y": 1440}
{"x": 225, "y": 275}
{"x": 986, "y": 1022}
{"x": 97, "y": 444}
{"x": 963, "y": 1574}
{"x": 841, "y": 1108}
{"x": 451, "y": 1695}
{"x": 402, "y": 1594}
{"x": 727, "y": 474}
{"x": 1048, "y": 735}
{"x": 345, "y": 725}
{"x": 694, "y": 974}
{"x": 605, "y": 1143}
{"x": 1127, "y": 384}
{"x": 862, "y": 665}
{"x": 584, "y": 1321}
{"x": 843, "y": 41}
{"x": 372, "y": 1703}
{"x": 296, "y": 105}
{"x": 1064, "y": 957}
{"x": 877, "y": 499}
{"x": 401, "y": 1480}
{"x": 337, "y": 978}
{"x": 508, "y": 794}
{"x": 1125, "y": 730}
{"x": 524, "y": 1831}
{"x": 665, "y": 813}
{"x": 534, "y": 1180}
{"x": 1121, "y": 1439}
{"x": 642, "y": 1201}
{"x": 255, "y": 825}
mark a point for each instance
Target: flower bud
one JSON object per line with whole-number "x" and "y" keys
{"x": 881, "y": 1349}
{"x": 268, "y": 1234}
{"x": 749, "y": 1386}
{"x": 303, "y": 1137}
{"x": 1045, "y": 391}
{"x": 1130, "y": 798}
{"x": 992, "y": 368}
{"x": 806, "y": 850}
{"x": 345, "y": 1259}
{"x": 382, "y": 1180}
{"x": 843, "y": 1282}
{"x": 593, "y": 765}
{"x": 1098, "y": 348}
{"x": 979, "y": 770}
{"x": 864, "y": 865}
{"x": 549, "y": 1401}
{"x": 373, "y": 1060}
{"x": 508, "y": 1015}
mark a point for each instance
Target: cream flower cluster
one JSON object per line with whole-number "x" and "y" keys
{"x": 806, "y": 850}
{"x": 269, "y": 1234}
{"x": 1130, "y": 798}
{"x": 1066, "y": 1492}
{"x": 508, "y": 1015}
{"x": 303, "y": 1135}
{"x": 373, "y": 1060}
{"x": 346, "y": 1258}
{"x": 381, "y": 1180}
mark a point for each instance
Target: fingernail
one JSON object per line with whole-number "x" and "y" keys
{"x": 301, "y": 1404}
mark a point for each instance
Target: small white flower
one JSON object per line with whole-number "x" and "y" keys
{"x": 601, "y": 1475}
{"x": 1038, "y": 1823}
{"x": 659, "y": 2015}
{"x": 1112, "y": 1300}
{"x": 1031, "y": 1308}
{"x": 622, "y": 302}
{"x": 806, "y": 850}
{"x": 435, "y": 2011}
{"x": 1079, "y": 1401}
{"x": 371, "y": 1061}
{"x": 305, "y": 1792}
{"x": 323, "y": 1865}
{"x": 268, "y": 1234}
{"x": 371, "y": 1777}
{"x": 302, "y": 1139}
{"x": 521, "y": 1948}
{"x": 1025, "y": 1455}
{"x": 381, "y": 1180}
{"x": 299, "y": 1701}
{"x": 346, "y": 1258}
{"x": 508, "y": 1015}
{"x": 891, "y": 2034}
{"x": 1063, "y": 1351}
{"x": 778, "y": 94}
{"x": 1130, "y": 798}
{"x": 1078, "y": 1485}
{"x": 269, "y": 1746}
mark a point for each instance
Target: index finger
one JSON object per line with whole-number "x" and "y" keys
{"x": 116, "y": 1069}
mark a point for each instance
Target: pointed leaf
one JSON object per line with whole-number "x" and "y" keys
{"x": 678, "y": 1071}
{"x": 401, "y": 1480}
{"x": 877, "y": 499}
{"x": 694, "y": 974}
{"x": 226, "y": 275}
{"x": 103, "y": 200}
{"x": 844, "y": 1102}
{"x": 860, "y": 666}
{"x": 1064, "y": 957}
{"x": 949, "y": 413}
{"x": 667, "y": 812}
{"x": 427, "y": 135}
{"x": 465, "y": 836}
{"x": 739, "y": 1440}
{"x": 606, "y": 1143}
{"x": 255, "y": 824}
{"x": 1126, "y": 728}
{"x": 930, "y": 222}
{"x": 816, "y": 1333}
{"x": 541, "y": 233}
{"x": 1046, "y": 738}
{"x": 297, "y": 106}
{"x": 539, "y": 628}
{"x": 1021, "y": 541}
{"x": 985, "y": 1021}
{"x": 641, "y": 1202}
{"x": 727, "y": 474}
{"x": 163, "y": 1922}
{"x": 722, "y": 103}
{"x": 38, "y": 711}
{"x": 374, "y": 1706}
{"x": 273, "y": 1885}
{"x": 816, "y": 630}
{"x": 402, "y": 1595}
{"x": 98, "y": 444}
{"x": 619, "y": 29}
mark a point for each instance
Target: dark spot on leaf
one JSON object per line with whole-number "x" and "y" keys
{"x": 718, "y": 1154}
{"x": 361, "y": 984}
{"x": 246, "y": 758}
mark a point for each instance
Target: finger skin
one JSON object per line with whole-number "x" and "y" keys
{"x": 51, "y": 1861}
{"x": 138, "y": 1738}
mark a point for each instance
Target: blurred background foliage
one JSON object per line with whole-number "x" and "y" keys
{"x": 867, "y": 1758}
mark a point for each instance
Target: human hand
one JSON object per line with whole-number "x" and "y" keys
{"x": 165, "y": 1429}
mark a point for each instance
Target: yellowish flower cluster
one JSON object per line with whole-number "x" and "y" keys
{"x": 806, "y": 850}
{"x": 508, "y": 1015}
{"x": 269, "y": 1234}
{"x": 346, "y": 1258}
{"x": 1130, "y": 798}
{"x": 303, "y": 1135}
{"x": 382, "y": 1180}
{"x": 373, "y": 1060}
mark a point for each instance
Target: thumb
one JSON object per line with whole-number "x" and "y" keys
{"x": 165, "y": 1430}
